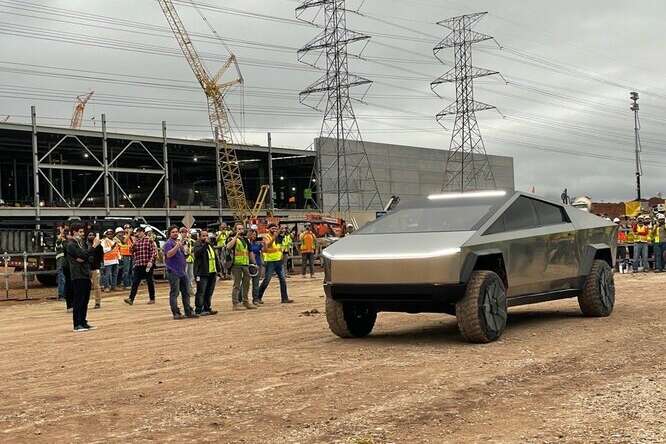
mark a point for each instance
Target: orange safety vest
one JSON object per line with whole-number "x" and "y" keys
{"x": 641, "y": 234}
{"x": 112, "y": 255}
{"x": 125, "y": 249}
{"x": 308, "y": 241}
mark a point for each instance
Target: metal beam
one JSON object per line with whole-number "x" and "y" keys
{"x": 58, "y": 166}
{"x": 165, "y": 160}
{"x": 35, "y": 167}
{"x": 105, "y": 159}
{"x": 271, "y": 190}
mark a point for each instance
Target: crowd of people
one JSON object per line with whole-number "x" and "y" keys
{"x": 194, "y": 260}
{"x": 641, "y": 239}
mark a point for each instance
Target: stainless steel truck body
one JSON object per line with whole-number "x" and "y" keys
{"x": 472, "y": 255}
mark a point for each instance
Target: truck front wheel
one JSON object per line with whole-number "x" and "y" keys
{"x": 350, "y": 320}
{"x": 482, "y": 311}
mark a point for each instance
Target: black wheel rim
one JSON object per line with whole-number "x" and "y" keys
{"x": 493, "y": 308}
{"x": 606, "y": 290}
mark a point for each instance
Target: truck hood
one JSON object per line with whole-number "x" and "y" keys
{"x": 397, "y": 246}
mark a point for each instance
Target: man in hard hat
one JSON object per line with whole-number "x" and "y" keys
{"x": 308, "y": 243}
{"x": 124, "y": 236}
{"x": 111, "y": 258}
{"x": 272, "y": 256}
{"x": 659, "y": 240}
{"x": 238, "y": 248}
{"x": 641, "y": 234}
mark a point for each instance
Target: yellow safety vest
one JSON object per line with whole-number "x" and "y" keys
{"x": 222, "y": 239}
{"x": 190, "y": 257}
{"x": 272, "y": 253}
{"x": 241, "y": 256}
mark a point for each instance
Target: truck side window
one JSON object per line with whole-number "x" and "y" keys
{"x": 519, "y": 216}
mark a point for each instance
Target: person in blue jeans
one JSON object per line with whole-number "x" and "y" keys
{"x": 256, "y": 246}
{"x": 272, "y": 257}
{"x": 176, "y": 267}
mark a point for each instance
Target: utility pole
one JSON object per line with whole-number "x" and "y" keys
{"x": 637, "y": 126}
{"x": 346, "y": 181}
{"x": 467, "y": 165}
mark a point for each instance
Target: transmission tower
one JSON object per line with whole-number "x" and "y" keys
{"x": 345, "y": 179}
{"x": 467, "y": 165}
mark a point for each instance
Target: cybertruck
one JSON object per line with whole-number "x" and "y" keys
{"x": 471, "y": 255}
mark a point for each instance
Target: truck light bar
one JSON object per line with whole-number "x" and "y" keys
{"x": 471, "y": 194}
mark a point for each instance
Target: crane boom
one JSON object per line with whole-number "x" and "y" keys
{"x": 79, "y": 107}
{"x": 217, "y": 114}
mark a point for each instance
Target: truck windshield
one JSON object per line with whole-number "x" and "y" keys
{"x": 434, "y": 219}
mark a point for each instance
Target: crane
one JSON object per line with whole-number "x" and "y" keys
{"x": 215, "y": 89}
{"x": 79, "y": 107}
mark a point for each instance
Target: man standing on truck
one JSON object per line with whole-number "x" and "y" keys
{"x": 79, "y": 256}
{"x": 144, "y": 253}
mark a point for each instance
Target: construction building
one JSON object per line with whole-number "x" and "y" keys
{"x": 144, "y": 172}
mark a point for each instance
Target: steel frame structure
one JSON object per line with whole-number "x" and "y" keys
{"x": 349, "y": 172}
{"x": 105, "y": 166}
{"x": 467, "y": 165}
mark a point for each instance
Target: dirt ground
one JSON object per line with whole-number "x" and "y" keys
{"x": 276, "y": 375}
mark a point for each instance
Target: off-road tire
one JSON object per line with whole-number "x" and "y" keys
{"x": 598, "y": 296}
{"x": 349, "y": 320}
{"x": 482, "y": 311}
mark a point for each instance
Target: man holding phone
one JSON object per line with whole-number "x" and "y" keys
{"x": 238, "y": 247}
{"x": 206, "y": 268}
{"x": 79, "y": 255}
{"x": 144, "y": 253}
{"x": 272, "y": 256}
{"x": 176, "y": 265}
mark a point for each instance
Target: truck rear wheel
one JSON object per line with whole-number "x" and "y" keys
{"x": 482, "y": 312}
{"x": 598, "y": 296}
{"x": 350, "y": 320}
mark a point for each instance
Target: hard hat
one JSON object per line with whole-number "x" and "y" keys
{"x": 149, "y": 230}
{"x": 661, "y": 216}
{"x": 193, "y": 231}
{"x": 119, "y": 230}
{"x": 616, "y": 220}
{"x": 110, "y": 230}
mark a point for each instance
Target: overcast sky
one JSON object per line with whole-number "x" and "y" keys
{"x": 565, "y": 110}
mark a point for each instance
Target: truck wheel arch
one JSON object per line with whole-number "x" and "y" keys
{"x": 594, "y": 252}
{"x": 491, "y": 260}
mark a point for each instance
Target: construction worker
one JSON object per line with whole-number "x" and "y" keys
{"x": 272, "y": 256}
{"x": 206, "y": 267}
{"x": 239, "y": 249}
{"x": 111, "y": 258}
{"x": 287, "y": 244}
{"x": 188, "y": 248}
{"x": 220, "y": 243}
{"x": 641, "y": 234}
{"x": 659, "y": 240}
{"x": 125, "y": 241}
{"x": 308, "y": 242}
{"x": 256, "y": 246}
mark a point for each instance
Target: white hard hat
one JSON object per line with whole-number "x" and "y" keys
{"x": 119, "y": 230}
{"x": 193, "y": 231}
{"x": 661, "y": 216}
{"x": 253, "y": 227}
{"x": 616, "y": 220}
{"x": 149, "y": 230}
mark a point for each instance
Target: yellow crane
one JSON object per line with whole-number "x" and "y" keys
{"x": 215, "y": 89}
{"x": 79, "y": 107}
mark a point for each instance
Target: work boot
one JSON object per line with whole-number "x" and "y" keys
{"x": 128, "y": 301}
{"x": 249, "y": 306}
{"x": 287, "y": 301}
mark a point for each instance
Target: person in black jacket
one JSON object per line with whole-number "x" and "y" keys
{"x": 69, "y": 290}
{"x": 206, "y": 268}
{"x": 96, "y": 262}
{"x": 79, "y": 258}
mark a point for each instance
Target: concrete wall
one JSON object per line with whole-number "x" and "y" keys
{"x": 405, "y": 171}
